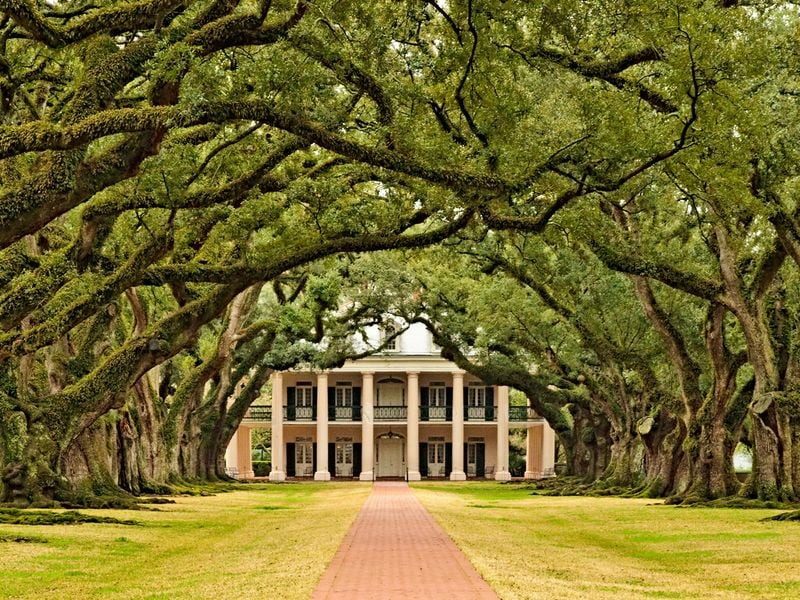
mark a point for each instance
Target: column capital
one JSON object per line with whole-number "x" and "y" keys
{"x": 367, "y": 373}
{"x": 412, "y": 373}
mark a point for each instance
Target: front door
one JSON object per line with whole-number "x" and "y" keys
{"x": 390, "y": 458}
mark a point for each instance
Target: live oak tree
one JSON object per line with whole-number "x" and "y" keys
{"x": 171, "y": 170}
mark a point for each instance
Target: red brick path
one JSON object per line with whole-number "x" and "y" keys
{"x": 395, "y": 549}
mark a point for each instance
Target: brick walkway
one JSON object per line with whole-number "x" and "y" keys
{"x": 395, "y": 549}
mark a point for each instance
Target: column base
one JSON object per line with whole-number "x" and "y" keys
{"x": 458, "y": 476}
{"x": 246, "y": 475}
{"x": 366, "y": 476}
{"x": 277, "y": 476}
{"x": 322, "y": 476}
{"x": 414, "y": 476}
{"x": 502, "y": 476}
{"x": 532, "y": 475}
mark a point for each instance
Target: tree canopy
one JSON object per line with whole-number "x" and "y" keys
{"x": 187, "y": 188}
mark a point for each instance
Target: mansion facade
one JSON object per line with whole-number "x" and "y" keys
{"x": 404, "y": 413}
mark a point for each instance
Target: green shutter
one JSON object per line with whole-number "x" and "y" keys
{"x": 448, "y": 399}
{"x": 290, "y": 471}
{"x": 314, "y": 457}
{"x": 423, "y": 459}
{"x": 356, "y": 459}
{"x": 291, "y": 402}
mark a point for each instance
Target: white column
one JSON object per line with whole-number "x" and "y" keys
{"x": 412, "y": 438}
{"x": 533, "y": 453}
{"x": 323, "y": 473}
{"x": 232, "y": 455}
{"x": 501, "y": 471}
{"x": 244, "y": 453}
{"x": 367, "y": 435}
{"x": 548, "y": 451}
{"x": 458, "y": 474}
{"x": 277, "y": 473}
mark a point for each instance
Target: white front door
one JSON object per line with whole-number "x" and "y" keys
{"x": 390, "y": 458}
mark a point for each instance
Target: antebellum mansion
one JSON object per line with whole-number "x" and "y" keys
{"x": 404, "y": 413}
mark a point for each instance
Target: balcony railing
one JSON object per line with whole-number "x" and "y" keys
{"x": 344, "y": 413}
{"x": 435, "y": 413}
{"x": 480, "y": 413}
{"x": 521, "y": 413}
{"x": 299, "y": 413}
{"x": 390, "y": 413}
{"x": 258, "y": 413}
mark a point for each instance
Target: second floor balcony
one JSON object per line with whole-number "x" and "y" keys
{"x": 472, "y": 414}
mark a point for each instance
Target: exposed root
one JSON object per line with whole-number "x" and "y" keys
{"x": 23, "y": 539}
{"x": 727, "y": 502}
{"x": 786, "y": 516}
{"x": 18, "y": 516}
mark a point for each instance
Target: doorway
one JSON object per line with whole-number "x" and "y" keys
{"x": 389, "y": 460}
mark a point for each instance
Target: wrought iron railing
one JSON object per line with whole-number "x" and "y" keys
{"x": 390, "y": 413}
{"x": 436, "y": 413}
{"x": 481, "y": 413}
{"x": 344, "y": 413}
{"x": 299, "y": 413}
{"x": 258, "y": 413}
{"x": 521, "y": 413}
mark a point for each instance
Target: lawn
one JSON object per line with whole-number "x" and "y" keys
{"x": 569, "y": 547}
{"x": 274, "y": 541}
{"x": 268, "y": 541}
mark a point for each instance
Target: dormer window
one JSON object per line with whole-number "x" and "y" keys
{"x": 391, "y": 337}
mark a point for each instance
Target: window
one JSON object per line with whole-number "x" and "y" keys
{"x": 476, "y": 395}
{"x": 390, "y": 337}
{"x": 344, "y": 394}
{"x": 304, "y": 457}
{"x": 344, "y": 455}
{"x": 437, "y": 395}
{"x": 436, "y": 459}
{"x": 436, "y": 453}
{"x": 304, "y": 396}
{"x": 472, "y": 451}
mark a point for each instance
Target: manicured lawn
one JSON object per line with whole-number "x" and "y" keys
{"x": 265, "y": 541}
{"x": 549, "y": 547}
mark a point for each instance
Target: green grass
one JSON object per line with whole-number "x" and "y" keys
{"x": 274, "y": 541}
{"x": 268, "y": 541}
{"x": 577, "y": 547}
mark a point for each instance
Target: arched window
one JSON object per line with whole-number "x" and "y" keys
{"x": 390, "y": 336}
